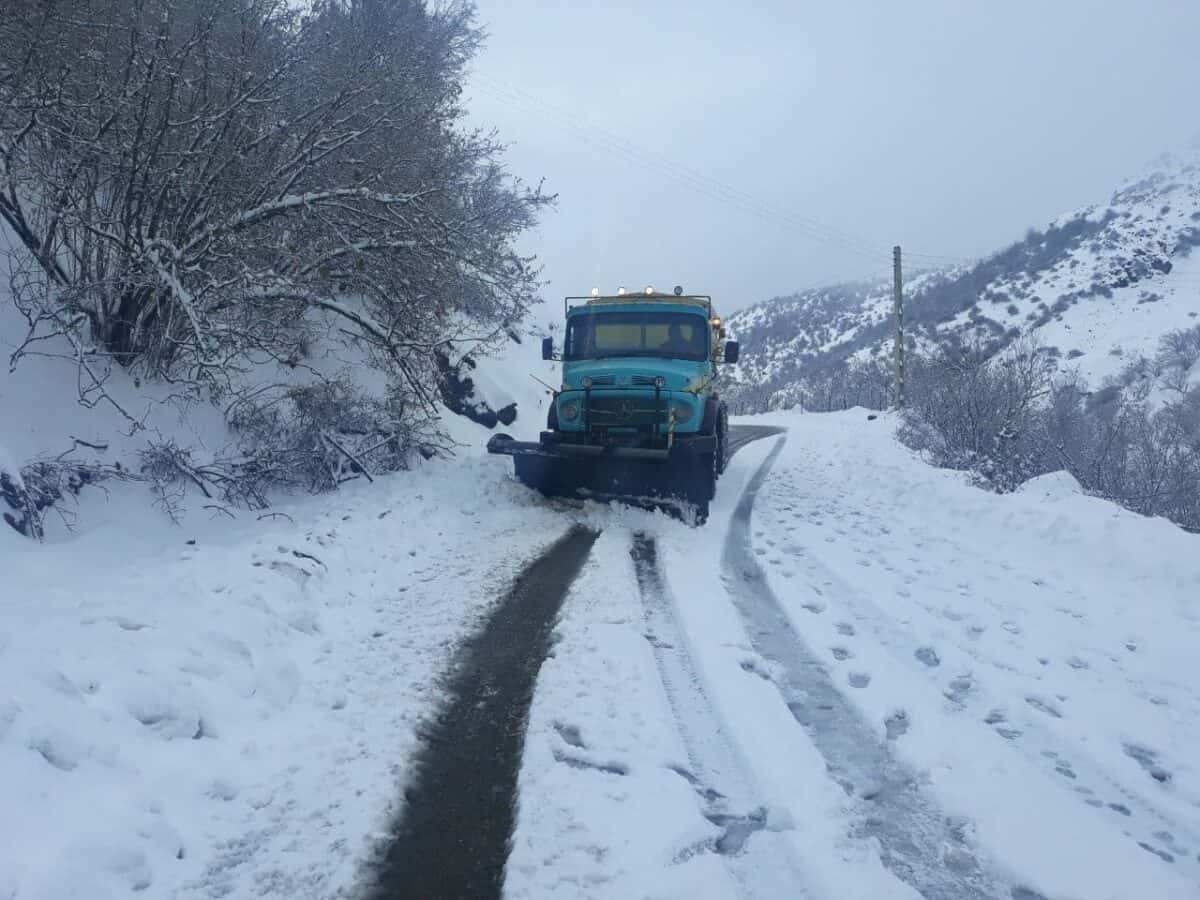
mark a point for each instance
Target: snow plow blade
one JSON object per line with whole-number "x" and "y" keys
{"x": 504, "y": 445}
{"x": 636, "y": 476}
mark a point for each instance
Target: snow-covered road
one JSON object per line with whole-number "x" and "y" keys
{"x": 863, "y": 678}
{"x": 889, "y": 682}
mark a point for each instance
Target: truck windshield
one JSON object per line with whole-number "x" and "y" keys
{"x": 673, "y": 335}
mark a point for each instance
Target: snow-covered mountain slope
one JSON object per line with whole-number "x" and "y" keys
{"x": 1098, "y": 287}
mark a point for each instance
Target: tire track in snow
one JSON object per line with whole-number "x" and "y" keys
{"x": 741, "y": 435}
{"x": 918, "y": 843}
{"x": 452, "y": 837}
{"x": 762, "y": 867}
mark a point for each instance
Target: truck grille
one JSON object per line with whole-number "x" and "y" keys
{"x": 626, "y": 412}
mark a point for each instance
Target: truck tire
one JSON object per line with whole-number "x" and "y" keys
{"x": 716, "y": 423}
{"x": 722, "y": 434}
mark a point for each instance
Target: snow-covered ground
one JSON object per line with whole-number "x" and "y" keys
{"x": 227, "y": 708}
{"x": 1028, "y": 659}
{"x": 237, "y": 716}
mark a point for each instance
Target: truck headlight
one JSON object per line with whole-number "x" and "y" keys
{"x": 683, "y": 412}
{"x": 569, "y": 411}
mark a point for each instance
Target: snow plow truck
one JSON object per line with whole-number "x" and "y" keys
{"x": 638, "y": 418}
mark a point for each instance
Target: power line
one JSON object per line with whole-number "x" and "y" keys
{"x": 659, "y": 160}
{"x": 598, "y": 137}
{"x": 708, "y": 190}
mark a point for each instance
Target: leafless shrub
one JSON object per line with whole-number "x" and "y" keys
{"x": 979, "y": 413}
{"x": 43, "y": 484}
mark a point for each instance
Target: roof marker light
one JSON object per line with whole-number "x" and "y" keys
{"x": 595, "y": 292}
{"x": 649, "y": 289}
{"x": 678, "y": 290}
{"x": 620, "y": 292}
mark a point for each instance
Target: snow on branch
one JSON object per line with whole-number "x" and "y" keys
{"x": 210, "y": 192}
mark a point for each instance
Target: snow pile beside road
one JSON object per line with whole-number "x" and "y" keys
{"x": 226, "y": 709}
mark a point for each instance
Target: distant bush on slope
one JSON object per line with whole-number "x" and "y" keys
{"x": 1007, "y": 419}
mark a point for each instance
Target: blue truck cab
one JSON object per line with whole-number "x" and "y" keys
{"x": 638, "y": 411}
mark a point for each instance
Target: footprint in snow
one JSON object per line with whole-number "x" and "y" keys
{"x": 1148, "y": 760}
{"x": 755, "y": 667}
{"x": 1063, "y": 768}
{"x": 813, "y": 607}
{"x": 845, "y": 628}
{"x": 1161, "y": 854}
{"x": 841, "y": 653}
{"x": 858, "y": 679}
{"x": 896, "y": 724}
{"x": 1044, "y": 706}
{"x": 928, "y": 656}
{"x": 578, "y": 762}
{"x": 958, "y": 689}
{"x": 570, "y": 734}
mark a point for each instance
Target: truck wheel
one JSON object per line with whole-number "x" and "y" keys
{"x": 722, "y": 434}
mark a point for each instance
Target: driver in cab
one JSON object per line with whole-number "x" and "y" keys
{"x": 678, "y": 345}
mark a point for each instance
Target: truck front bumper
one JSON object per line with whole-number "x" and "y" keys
{"x": 551, "y": 446}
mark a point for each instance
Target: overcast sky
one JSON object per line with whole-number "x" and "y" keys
{"x": 948, "y": 126}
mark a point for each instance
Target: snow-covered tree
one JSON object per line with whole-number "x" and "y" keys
{"x": 203, "y": 186}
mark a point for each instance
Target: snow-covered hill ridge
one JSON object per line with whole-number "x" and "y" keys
{"x": 1098, "y": 286}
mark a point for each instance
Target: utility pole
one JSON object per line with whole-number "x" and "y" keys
{"x": 898, "y": 298}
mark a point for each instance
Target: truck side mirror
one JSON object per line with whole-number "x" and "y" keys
{"x": 548, "y": 348}
{"x": 731, "y": 351}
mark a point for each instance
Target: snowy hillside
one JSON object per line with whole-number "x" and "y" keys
{"x": 1098, "y": 287}
{"x": 85, "y": 436}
